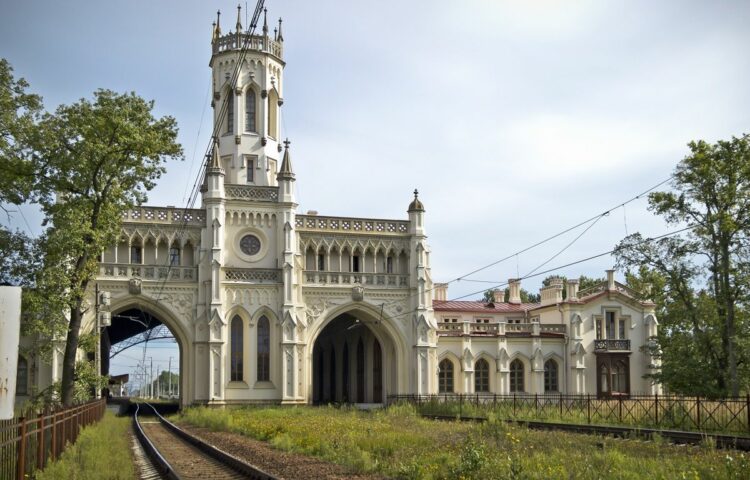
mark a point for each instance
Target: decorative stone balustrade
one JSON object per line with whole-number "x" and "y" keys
{"x": 498, "y": 329}
{"x": 165, "y": 216}
{"x": 351, "y": 225}
{"x": 125, "y": 271}
{"x": 384, "y": 280}
{"x": 604, "y": 345}
{"x": 252, "y": 275}
{"x": 258, "y": 43}
{"x": 252, "y": 192}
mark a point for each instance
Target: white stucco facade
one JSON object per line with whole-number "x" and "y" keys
{"x": 269, "y": 305}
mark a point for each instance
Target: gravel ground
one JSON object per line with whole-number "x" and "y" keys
{"x": 286, "y": 465}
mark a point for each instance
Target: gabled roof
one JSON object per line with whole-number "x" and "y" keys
{"x": 481, "y": 307}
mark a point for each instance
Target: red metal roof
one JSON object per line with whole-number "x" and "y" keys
{"x": 481, "y": 307}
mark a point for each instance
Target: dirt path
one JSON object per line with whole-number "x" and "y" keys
{"x": 291, "y": 466}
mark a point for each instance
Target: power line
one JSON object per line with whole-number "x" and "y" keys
{"x": 559, "y": 267}
{"x": 594, "y": 219}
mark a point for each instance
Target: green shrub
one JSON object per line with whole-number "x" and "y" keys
{"x": 102, "y": 451}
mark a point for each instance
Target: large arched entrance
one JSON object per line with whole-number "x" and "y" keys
{"x": 354, "y": 360}
{"x": 146, "y": 341}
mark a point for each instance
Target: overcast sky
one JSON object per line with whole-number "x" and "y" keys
{"x": 514, "y": 119}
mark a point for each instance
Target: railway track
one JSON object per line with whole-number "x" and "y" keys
{"x": 675, "y": 436}
{"x": 177, "y": 455}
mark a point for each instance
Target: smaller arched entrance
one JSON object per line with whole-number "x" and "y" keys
{"x": 130, "y": 320}
{"x": 354, "y": 360}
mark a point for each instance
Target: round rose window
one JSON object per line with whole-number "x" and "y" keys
{"x": 250, "y": 245}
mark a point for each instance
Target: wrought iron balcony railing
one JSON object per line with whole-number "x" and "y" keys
{"x": 608, "y": 345}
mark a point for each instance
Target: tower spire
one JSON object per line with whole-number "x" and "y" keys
{"x": 239, "y": 23}
{"x": 285, "y": 171}
{"x": 280, "y": 37}
{"x": 265, "y": 22}
{"x": 217, "y": 29}
{"x": 215, "y": 162}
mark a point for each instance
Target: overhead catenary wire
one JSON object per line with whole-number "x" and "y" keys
{"x": 195, "y": 191}
{"x": 551, "y": 270}
{"x": 594, "y": 219}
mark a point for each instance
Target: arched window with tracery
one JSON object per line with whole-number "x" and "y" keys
{"x": 22, "y": 377}
{"x": 481, "y": 376}
{"x": 550, "y": 376}
{"x": 619, "y": 378}
{"x": 237, "y": 350}
{"x": 445, "y": 376}
{"x": 250, "y": 110}
{"x": 516, "y": 376}
{"x": 264, "y": 350}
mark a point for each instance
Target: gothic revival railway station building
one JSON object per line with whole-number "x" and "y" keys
{"x": 269, "y": 305}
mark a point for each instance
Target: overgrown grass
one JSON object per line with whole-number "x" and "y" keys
{"x": 101, "y": 452}
{"x": 730, "y": 418}
{"x": 399, "y": 443}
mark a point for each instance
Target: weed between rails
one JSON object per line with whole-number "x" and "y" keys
{"x": 399, "y": 443}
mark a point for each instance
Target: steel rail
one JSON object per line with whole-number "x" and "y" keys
{"x": 236, "y": 464}
{"x": 161, "y": 464}
{"x": 675, "y": 436}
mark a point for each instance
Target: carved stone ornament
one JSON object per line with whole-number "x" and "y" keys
{"x": 237, "y": 139}
{"x": 358, "y": 293}
{"x": 281, "y": 101}
{"x": 237, "y": 91}
{"x": 134, "y": 286}
{"x": 263, "y": 93}
{"x": 217, "y": 95}
{"x": 263, "y": 141}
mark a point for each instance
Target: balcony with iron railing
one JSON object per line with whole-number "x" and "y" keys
{"x": 378, "y": 280}
{"x": 611, "y": 345}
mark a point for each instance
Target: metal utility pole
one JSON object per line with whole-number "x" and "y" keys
{"x": 170, "y": 377}
{"x": 151, "y": 381}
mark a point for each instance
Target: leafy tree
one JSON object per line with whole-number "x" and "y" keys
{"x": 19, "y": 113}
{"x": 489, "y": 296}
{"x": 705, "y": 272}
{"x": 88, "y": 162}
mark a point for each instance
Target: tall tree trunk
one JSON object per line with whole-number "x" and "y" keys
{"x": 69, "y": 357}
{"x": 728, "y": 332}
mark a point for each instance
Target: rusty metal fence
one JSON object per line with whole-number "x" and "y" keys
{"x": 726, "y": 415}
{"x": 27, "y": 443}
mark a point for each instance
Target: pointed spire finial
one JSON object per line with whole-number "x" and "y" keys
{"x": 265, "y": 22}
{"x": 275, "y": 34}
{"x": 416, "y": 205}
{"x": 217, "y": 30}
{"x": 239, "y": 23}
{"x": 281, "y": 37}
{"x": 215, "y": 162}
{"x": 285, "y": 172}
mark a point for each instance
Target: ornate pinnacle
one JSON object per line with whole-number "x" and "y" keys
{"x": 265, "y": 22}
{"x": 239, "y": 23}
{"x": 280, "y": 37}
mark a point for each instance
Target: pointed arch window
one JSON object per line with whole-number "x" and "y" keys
{"x": 264, "y": 350}
{"x": 230, "y": 112}
{"x": 445, "y": 376}
{"x": 516, "y": 376}
{"x": 174, "y": 254}
{"x": 250, "y": 110}
{"x": 237, "y": 349}
{"x": 273, "y": 110}
{"x": 550, "y": 376}
{"x": 22, "y": 377}
{"x": 481, "y": 376}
